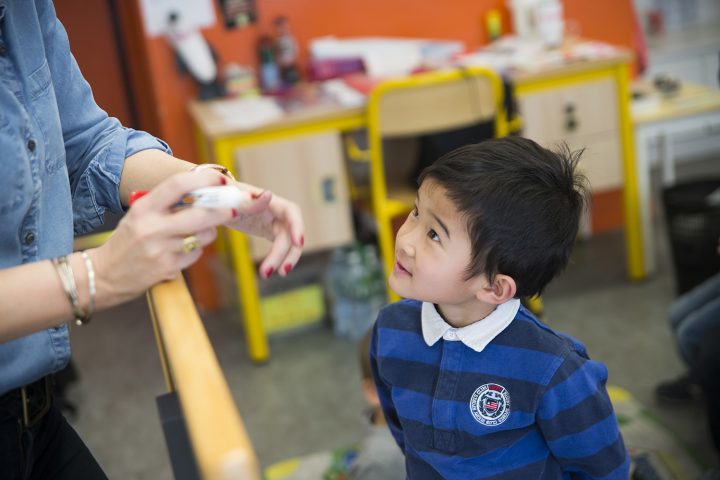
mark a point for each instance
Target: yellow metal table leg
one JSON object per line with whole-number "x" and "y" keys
{"x": 249, "y": 297}
{"x": 631, "y": 199}
{"x": 248, "y": 294}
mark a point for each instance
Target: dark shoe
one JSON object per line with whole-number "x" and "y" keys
{"x": 682, "y": 389}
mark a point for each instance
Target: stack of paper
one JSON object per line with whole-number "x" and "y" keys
{"x": 249, "y": 112}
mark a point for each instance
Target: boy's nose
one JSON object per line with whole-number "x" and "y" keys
{"x": 406, "y": 246}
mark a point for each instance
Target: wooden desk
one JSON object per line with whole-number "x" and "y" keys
{"x": 595, "y": 95}
{"x": 216, "y": 142}
{"x": 657, "y": 120}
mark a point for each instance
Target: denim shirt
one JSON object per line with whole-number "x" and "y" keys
{"x": 61, "y": 157}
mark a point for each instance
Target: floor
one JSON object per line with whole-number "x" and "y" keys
{"x": 308, "y": 398}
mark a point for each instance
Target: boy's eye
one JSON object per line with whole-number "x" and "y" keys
{"x": 415, "y": 212}
{"x": 432, "y": 234}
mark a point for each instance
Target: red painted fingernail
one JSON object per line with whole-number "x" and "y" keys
{"x": 269, "y": 272}
{"x": 223, "y": 180}
{"x": 257, "y": 195}
{"x": 287, "y": 268}
{"x": 302, "y": 240}
{"x": 234, "y": 213}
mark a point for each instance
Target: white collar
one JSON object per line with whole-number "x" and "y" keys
{"x": 476, "y": 335}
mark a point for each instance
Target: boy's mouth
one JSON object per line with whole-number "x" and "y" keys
{"x": 398, "y": 269}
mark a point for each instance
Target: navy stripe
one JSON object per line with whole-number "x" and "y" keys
{"x": 423, "y": 378}
{"x": 581, "y": 417}
{"x": 466, "y": 444}
{"x": 606, "y": 463}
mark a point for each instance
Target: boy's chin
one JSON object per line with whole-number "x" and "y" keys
{"x": 400, "y": 290}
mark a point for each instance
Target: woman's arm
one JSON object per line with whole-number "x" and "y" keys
{"x": 33, "y": 299}
{"x": 145, "y": 248}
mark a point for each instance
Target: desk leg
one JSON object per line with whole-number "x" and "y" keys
{"x": 248, "y": 294}
{"x": 631, "y": 204}
{"x": 642, "y": 154}
{"x": 668, "y": 159}
{"x": 249, "y": 297}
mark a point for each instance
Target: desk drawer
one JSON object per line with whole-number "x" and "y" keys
{"x": 574, "y": 110}
{"x": 310, "y": 171}
{"x": 601, "y": 161}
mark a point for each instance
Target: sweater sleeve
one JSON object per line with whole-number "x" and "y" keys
{"x": 577, "y": 420}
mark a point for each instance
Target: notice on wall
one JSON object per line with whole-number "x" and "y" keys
{"x": 191, "y": 15}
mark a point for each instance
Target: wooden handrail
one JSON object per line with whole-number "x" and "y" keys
{"x": 217, "y": 434}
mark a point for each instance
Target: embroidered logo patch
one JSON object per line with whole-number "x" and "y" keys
{"x": 490, "y": 404}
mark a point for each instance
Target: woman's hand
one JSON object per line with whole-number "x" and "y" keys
{"x": 276, "y": 219}
{"x": 147, "y": 246}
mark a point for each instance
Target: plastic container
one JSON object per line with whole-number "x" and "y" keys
{"x": 692, "y": 214}
{"x": 355, "y": 287}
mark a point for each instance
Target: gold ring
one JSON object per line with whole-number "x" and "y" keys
{"x": 190, "y": 244}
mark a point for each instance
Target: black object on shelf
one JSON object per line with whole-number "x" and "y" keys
{"x": 692, "y": 214}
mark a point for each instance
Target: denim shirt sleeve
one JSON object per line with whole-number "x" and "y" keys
{"x": 96, "y": 144}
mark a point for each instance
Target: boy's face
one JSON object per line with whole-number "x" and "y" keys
{"x": 432, "y": 252}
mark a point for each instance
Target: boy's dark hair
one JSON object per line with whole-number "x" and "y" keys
{"x": 523, "y": 205}
{"x": 364, "y": 355}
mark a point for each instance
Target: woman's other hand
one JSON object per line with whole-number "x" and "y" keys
{"x": 276, "y": 219}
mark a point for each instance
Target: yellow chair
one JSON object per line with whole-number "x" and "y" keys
{"x": 422, "y": 104}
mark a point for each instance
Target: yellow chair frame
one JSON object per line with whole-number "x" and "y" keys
{"x": 421, "y": 104}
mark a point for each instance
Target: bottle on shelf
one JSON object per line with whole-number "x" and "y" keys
{"x": 356, "y": 290}
{"x": 269, "y": 72}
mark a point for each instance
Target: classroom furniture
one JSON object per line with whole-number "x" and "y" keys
{"x": 540, "y": 93}
{"x": 422, "y": 104}
{"x": 586, "y": 105}
{"x": 204, "y": 431}
{"x": 276, "y": 156}
{"x": 659, "y": 121}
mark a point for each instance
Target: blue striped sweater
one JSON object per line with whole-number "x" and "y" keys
{"x": 530, "y": 405}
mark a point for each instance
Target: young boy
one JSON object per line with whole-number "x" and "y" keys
{"x": 472, "y": 384}
{"x": 379, "y": 458}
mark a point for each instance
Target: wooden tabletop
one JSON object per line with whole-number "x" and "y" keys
{"x": 690, "y": 99}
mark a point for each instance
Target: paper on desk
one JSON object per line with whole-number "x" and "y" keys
{"x": 385, "y": 56}
{"x": 248, "y": 113}
{"x": 342, "y": 93}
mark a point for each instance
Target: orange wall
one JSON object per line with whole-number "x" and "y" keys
{"x": 90, "y": 31}
{"x": 607, "y": 20}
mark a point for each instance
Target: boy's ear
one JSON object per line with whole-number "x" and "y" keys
{"x": 501, "y": 289}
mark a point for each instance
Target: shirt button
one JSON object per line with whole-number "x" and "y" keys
{"x": 3, "y": 50}
{"x": 31, "y": 145}
{"x": 29, "y": 238}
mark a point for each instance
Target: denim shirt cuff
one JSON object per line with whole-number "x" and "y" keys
{"x": 99, "y": 187}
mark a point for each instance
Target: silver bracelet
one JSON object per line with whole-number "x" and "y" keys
{"x": 91, "y": 287}
{"x": 214, "y": 166}
{"x": 67, "y": 278}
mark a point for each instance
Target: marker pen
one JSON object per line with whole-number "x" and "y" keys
{"x": 227, "y": 196}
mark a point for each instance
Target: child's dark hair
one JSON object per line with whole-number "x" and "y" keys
{"x": 523, "y": 205}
